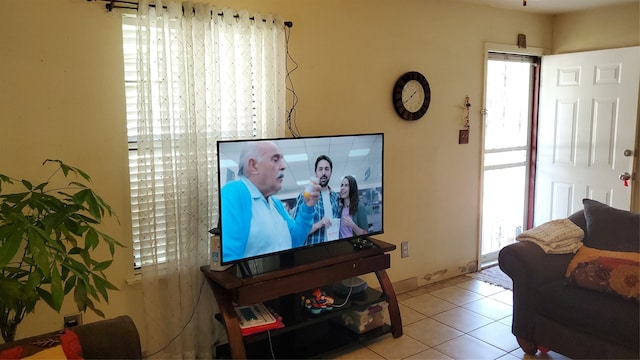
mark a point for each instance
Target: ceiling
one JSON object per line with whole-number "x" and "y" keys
{"x": 550, "y": 6}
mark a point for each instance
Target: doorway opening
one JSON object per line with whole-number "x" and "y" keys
{"x": 512, "y": 82}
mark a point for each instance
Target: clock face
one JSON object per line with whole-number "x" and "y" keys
{"x": 411, "y": 96}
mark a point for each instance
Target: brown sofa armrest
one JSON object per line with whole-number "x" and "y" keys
{"x": 115, "y": 338}
{"x": 528, "y": 265}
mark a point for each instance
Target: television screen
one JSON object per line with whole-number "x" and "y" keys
{"x": 265, "y": 207}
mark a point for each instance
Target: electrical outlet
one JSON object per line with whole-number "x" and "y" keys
{"x": 404, "y": 249}
{"x": 72, "y": 320}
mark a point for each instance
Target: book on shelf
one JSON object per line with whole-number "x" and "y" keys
{"x": 257, "y": 318}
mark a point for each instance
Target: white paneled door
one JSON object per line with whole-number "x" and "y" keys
{"x": 586, "y": 130}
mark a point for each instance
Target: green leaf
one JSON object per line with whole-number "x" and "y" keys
{"x": 27, "y": 184}
{"x": 10, "y": 247}
{"x": 101, "y": 282}
{"x": 14, "y": 198}
{"x": 57, "y": 293}
{"x": 10, "y": 290}
{"x": 41, "y": 187}
{"x": 36, "y": 245}
{"x": 91, "y": 239}
{"x": 75, "y": 250}
{"x": 46, "y": 296}
{"x": 35, "y": 278}
{"x": 69, "y": 284}
{"x": 80, "y": 295}
{"x": 75, "y": 183}
{"x": 87, "y": 197}
{"x": 78, "y": 268}
{"x": 102, "y": 266}
{"x": 95, "y": 310}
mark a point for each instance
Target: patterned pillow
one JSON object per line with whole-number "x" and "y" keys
{"x": 65, "y": 345}
{"x": 606, "y": 271}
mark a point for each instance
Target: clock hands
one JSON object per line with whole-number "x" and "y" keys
{"x": 409, "y": 98}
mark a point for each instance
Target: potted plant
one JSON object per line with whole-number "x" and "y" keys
{"x": 48, "y": 236}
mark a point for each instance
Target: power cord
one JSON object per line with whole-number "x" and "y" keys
{"x": 273, "y": 355}
{"x": 185, "y": 325}
{"x": 291, "y": 113}
{"x": 345, "y": 300}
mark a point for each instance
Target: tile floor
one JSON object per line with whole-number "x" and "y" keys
{"x": 458, "y": 318}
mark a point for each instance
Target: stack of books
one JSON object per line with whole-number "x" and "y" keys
{"x": 257, "y": 318}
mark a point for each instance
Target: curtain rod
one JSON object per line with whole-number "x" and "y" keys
{"x": 133, "y": 5}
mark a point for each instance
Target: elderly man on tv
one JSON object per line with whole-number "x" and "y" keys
{"x": 253, "y": 221}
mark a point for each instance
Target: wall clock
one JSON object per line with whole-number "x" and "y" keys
{"x": 411, "y": 95}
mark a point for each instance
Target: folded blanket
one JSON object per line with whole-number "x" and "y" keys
{"x": 559, "y": 236}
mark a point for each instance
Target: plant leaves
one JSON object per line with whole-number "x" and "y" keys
{"x": 36, "y": 245}
{"x": 55, "y": 231}
{"x": 102, "y": 266}
{"x": 27, "y": 184}
{"x": 57, "y": 293}
{"x": 91, "y": 239}
{"x": 46, "y": 296}
{"x": 10, "y": 246}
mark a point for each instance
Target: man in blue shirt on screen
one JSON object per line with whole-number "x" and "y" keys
{"x": 326, "y": 220}
{"x": 253, "y": 221}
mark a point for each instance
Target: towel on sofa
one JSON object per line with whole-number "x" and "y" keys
{"x": 559, "y": 236}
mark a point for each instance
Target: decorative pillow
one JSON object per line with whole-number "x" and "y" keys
{"x": 64, "y": 345}
{"x": 71, "y": 345}
{"x": 610, "y": 228}
{"x": 11, "y": 353}
{"x": 606, "y": 271}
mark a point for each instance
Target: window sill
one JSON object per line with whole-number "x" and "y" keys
{"x": 134, "y": 279}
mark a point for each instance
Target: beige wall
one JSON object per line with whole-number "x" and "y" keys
{"x": 574, "y": 32}
{"x": 61, "y": 96}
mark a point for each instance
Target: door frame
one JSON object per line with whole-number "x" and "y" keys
{"x": 510, "y": 49}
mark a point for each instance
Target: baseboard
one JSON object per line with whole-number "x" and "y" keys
{"x": 405, "y": 285}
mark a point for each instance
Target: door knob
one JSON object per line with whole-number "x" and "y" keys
{"x": 627, "y": 152}
{"x": 625, "y": 176}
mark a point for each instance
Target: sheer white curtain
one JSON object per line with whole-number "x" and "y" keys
{"x": 199, "y": 77}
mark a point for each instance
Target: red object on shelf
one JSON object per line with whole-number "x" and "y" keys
{"x": 260, "y": 328}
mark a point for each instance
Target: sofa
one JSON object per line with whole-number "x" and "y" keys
{"x": 115, "y": 338}
{"x": 582, "y": 304}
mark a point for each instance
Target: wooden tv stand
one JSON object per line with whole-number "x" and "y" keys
{"x": 311, "y": 268}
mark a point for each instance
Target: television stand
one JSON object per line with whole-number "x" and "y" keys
{"x": 312, "y": 268}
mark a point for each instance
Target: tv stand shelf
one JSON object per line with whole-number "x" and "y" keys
{"x": 311, "y": 268}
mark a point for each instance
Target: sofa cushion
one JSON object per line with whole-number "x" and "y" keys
{"x": 602, "y": 315}
{"x": 614, "y": 272}
{"x": 610, "y": 228}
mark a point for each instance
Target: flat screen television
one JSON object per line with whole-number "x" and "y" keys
{"x": 263, "y": 209}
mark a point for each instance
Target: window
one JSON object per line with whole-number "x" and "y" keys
{"x": 190, "y": 81}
